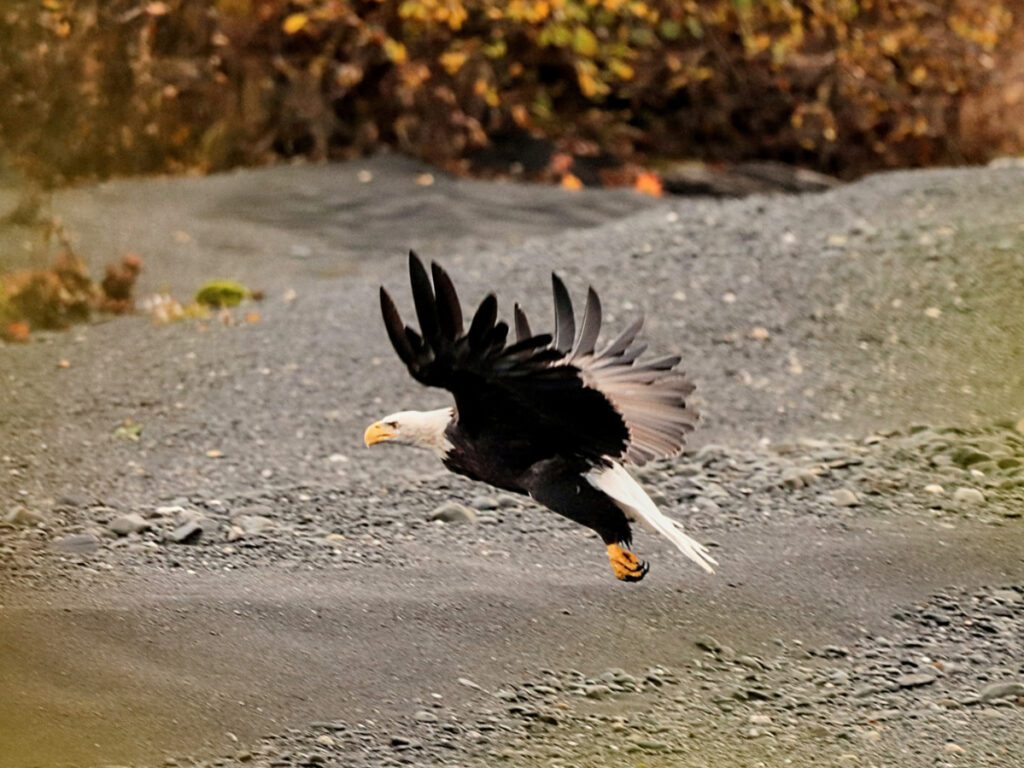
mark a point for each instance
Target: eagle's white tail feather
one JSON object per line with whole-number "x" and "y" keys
{"x": 631, "y": 498}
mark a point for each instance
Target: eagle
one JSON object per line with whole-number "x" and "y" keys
{"x": 549, "y": 416}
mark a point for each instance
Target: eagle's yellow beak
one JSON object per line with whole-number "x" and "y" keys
{"x": 377, "y": 432}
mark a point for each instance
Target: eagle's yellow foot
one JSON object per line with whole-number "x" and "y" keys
{"x": 625, "y": 564}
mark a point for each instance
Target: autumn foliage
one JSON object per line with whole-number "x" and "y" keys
{"x": 98, "y": 87}
{"x": 63, "y": 294}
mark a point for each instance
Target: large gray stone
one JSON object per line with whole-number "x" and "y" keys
{"x": 453, "y": 512}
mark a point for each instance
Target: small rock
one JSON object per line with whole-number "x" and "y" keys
{"x": 253, "y": 525}
{"x": 326, "y": 740}
{"x": 997, "y": 691}
{"x": 844, "y": 497}
{"x": 915, "y": 680}
{"x": 596, "y": 691}
{"x": 797, "y": 477}
{"x": 835, "y": 651}
{"x": 760, "y": 720}
{"x": 132, "y": 522}
{"x": 968, "y": 496}
{"x": 23, "y": 516}
{"x": 484, "y": 503}
{"x": 650, "y": 745}
{"x": 77, "y": 544}
{"x": 1008, "y": 596}
{"x": 760, "y": 333}
{"x": 189, "y": 533}
{"x": 708, "y": 643}
{"x": 965, "y": 457}
{"x": 453, "y": 512}
{"x": 1020, "y": 426}
{"x": 953, "y": 749}
{"x": 170, "y": 510}
{"x": 934, "y": 489}
{"x": 425, "y": 716}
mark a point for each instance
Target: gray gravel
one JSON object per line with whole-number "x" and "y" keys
{"x": 244, "y": 584}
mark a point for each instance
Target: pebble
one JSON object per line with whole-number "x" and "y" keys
{"x": 453, "y": 512}
{"x": 797, "y": 477}
{"x": 425, "y": 716}
{"x": 968, "y": 496}
{"x": 997, "y": 691}
{"x": 844, "y": 497}
{"x": 934, "y": 489}
{"x": 23, "y": 516}
{"x": 132, "y": 522}
{"x": 189, "y": 533}
{"x": 77, "y": 544}
{"x": 708, "y": 643}
{"x": 1008, "y": 596}
{"x": 915, "y": 680}
{"x": 253, "y": 524}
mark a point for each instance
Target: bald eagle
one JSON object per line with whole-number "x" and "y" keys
{"x": 549, "y": 416}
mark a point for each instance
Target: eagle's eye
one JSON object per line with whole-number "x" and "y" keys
{"x": 391, "y": 424}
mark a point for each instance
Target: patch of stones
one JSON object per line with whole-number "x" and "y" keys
{"x": 947, "y": 473}
{"x": 946, "y": 669}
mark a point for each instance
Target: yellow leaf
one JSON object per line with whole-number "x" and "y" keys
{"x": 452, "y": 61}
{"x": 295, "y": 23}
{"x": 621, "y": 69}
{"x": 395, "y": 51}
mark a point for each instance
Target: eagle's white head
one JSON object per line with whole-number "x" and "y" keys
{"x": 424, "y": 429}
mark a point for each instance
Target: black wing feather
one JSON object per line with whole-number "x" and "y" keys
{"x": 483, "y": 321}
{"x": 591, "y": 326}
{"x": 522, "y": 325}
{"x": 395, "y": 328}
{"x": 565, "y": 324}
{"x": 423, "y": 296}
{"x": 449, "y": 311}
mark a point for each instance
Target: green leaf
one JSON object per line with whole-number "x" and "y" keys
{"x": 222, "y": 293}
{"x": 584, "y": 42}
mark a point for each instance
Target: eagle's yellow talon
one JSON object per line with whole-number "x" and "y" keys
{"x": 625, "y": 564}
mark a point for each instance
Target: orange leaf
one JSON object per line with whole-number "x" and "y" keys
{"x": 648, "y": 183}
{"x": 571, "y": 182}
{"x": 17, "y": 331}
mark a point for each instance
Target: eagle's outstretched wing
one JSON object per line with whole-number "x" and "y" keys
{"x": 557, "y": 392}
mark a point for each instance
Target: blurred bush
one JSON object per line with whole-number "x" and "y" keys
{"x": 98, "y": 87}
